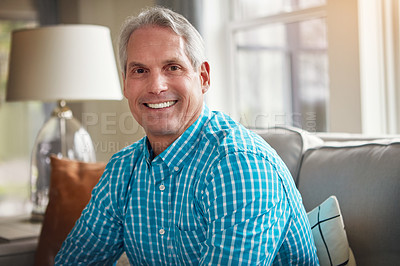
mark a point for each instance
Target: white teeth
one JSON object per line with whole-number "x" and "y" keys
{"x": 160, "y": 105}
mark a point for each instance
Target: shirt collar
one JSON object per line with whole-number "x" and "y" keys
{"x": 148, "y": 151}
{"x": 182, "y": 147}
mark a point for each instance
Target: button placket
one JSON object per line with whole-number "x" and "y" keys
{"x": 161, "y": 174}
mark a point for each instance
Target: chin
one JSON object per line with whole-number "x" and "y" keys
{"x": 162, "y": 130}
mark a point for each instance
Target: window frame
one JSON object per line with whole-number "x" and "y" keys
{"x": 234, "y": 26}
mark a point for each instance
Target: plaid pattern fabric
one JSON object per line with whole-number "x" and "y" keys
{"x": 219, "y": 195}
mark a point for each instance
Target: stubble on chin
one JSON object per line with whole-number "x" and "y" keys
{"x": 160, "y": 123}
{"x": 166, "y": 124}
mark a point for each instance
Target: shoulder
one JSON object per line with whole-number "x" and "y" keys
{"x": 235, "y": 152}
{"x": 243, "y": 168}
{"x": 227, "y": 136}
{"x": 243, "y": 159}
{"x": 117, "y": 176}
{"x": 120, "y": 165}
{"x": 130, "y": 151}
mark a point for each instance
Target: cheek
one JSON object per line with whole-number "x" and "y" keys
{"x": 128, "y": 94}
{"x": 191, "y": 87}
{"x": 129, "y": 91}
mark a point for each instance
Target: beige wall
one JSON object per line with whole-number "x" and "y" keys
{"x": 109, "y": 123}
{"x": 344, "y": 113}
{"x": 17, "y": 9}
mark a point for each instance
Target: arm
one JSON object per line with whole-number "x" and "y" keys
{"x": 246, "y": 209}
{"x": 97, "y": 236}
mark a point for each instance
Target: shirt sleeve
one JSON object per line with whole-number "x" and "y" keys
{"x": 96, "y": 238}
{"x": 246, "y": 209}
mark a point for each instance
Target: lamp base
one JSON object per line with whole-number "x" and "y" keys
{"x": 64, "y": 136}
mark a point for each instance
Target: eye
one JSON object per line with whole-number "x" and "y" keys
{"x": 173, "y": 68}
{"x": 139, "y": 71}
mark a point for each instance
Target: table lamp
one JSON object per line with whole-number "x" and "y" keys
{"x": 61, "y": 63}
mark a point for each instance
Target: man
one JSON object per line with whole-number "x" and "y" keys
{"x": 199, "y": 188}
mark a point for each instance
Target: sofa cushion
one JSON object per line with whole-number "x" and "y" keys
{"x": 329, "y": 233}
{"x": 290, "y": 143}
{"x": 71, "y": 184}
{"x": 366, "y": 180}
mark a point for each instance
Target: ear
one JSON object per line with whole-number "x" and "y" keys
{"x": 205, "y": 76}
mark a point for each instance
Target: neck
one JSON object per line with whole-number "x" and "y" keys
{"x": 160, "y": 142}
{"x": 159, "y": 145}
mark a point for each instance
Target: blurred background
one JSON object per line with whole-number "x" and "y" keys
{"x": 320, "y": 65}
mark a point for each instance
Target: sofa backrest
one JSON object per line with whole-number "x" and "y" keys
{"x": 365, "y": 178}
{"x": 290, "y": 144}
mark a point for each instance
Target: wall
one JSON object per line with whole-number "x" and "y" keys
{"x": 17, "y": 9}
{"x": 217, "y": 48}
{"x": 344, "y": 113}
{"x": 109, "y": 123}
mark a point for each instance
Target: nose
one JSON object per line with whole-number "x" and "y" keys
{"x": 158, "y": 83}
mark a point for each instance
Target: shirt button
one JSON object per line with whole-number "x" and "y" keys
{"x": 161, "y": 187}
{"x": 176, "y": 168}
{"x": 161, "y": 231}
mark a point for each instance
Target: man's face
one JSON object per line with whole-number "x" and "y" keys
{"x": 164, "y": 92}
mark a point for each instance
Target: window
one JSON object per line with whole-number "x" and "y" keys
{"x": 250, "y": 9}
{"x": 280, "y": 63}
{"x": 19, "y": 124}
{"x": 333, "y": 63}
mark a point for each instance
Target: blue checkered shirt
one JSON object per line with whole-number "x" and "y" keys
{"x": 219, "y": 195}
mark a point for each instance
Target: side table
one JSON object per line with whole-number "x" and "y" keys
{"x": 18, "y": 240}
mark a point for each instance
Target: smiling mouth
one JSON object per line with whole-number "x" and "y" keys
{"x": 160, "y": 105}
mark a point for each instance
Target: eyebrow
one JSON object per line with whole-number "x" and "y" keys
{"x": 135, "y": 64}
{"x": 174, "y": 60}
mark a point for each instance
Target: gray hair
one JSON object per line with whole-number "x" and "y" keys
{"x": 163, "y": 17}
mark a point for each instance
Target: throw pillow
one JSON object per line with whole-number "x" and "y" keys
{"x": 71, "y": 185}
{"x": 329, "y": 234}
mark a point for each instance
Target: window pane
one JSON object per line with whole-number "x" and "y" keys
{"x": 248, "y": 9}
{"x": 312, "y": 91}
{"x": 302, "y": 4}
{"x": 312, "y": 34}
{"x": 309, "y": 73}
{"x": 281, "y": 73}
{"x": 262, "y": 79}
{"x": 263, "y": 36}
{"x": 261, "y": 83}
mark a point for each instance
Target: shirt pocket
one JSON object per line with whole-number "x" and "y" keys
{"x": 189, "y": 243}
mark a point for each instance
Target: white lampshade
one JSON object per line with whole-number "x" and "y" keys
{"x": 61, "y": 63}
{"x": 65, "y": 62}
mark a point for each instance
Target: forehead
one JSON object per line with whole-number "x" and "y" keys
{"x": 154, "y": 37}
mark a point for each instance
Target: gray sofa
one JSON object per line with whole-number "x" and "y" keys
{"x": 363, "y": 174}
